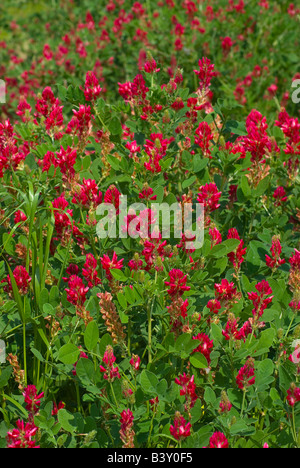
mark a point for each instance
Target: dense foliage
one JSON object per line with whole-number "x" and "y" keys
{"x": 147, "y": 342}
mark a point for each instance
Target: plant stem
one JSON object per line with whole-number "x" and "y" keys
{"x": 24, "y": 352}
{"x": 149, "y": 335}
{"x": 243, "y": 403}
{"x": 113, "y": 394}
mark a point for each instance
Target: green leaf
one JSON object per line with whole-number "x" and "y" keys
{"x": 199, "y": 163}
{"x": 91, "y": 335}
{"x": 122, "y": 300}
{"x": 85, "y": 371}
{"x": 105, "y": 341}
{"x": 210, "y": 396}
{"x": 224, "y": 248}
{"x": 68, "y": 353}
{"x": 118, "y": 275}
{"x": 5, "y": 375}
{"x": 64, "y": 418}
{"x": 114, "y": 162}
{"x": 245, "y": 186}
{"x": 149, "y": 381}
{"x": 184, "y": 345}
{"x": 16, "y": 404}
{"x": 262, "y": 187}
{"x": 115, "y": 126}
{"x": 199, "y": 361}
{"x": 188, "y": 182}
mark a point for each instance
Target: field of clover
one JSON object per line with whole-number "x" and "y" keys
{"x": 134, "y": 341}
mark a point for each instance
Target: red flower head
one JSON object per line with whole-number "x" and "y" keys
{"x": 23, "y": 436}
{"x": 188, "y": 388}
{"x": 275, "y": 261}
{"x": 216, "y": 237}
{"x": 203, "y": 138}
{"x": 261, "y": 299}
{"x": 293, "y": 395}
{"x": 205, "y": 347}
{"x": 209, "y": 196}
{"x": 135, "y": 362}
{"x": 181, "y": 429}
{"x": 32, "y": 399}
{"x": 92, "y": 88}
{"x": 218, "y": 440}
{"x": 76, "y": 291}
{"x": 280, "y": 196}
{"x": 236, "y": 257}
{"x": 246, "y": 375}
{"x": 126, "y": 432}
{"x": 22, "y": 280}
{"x": 110, "y": 372}
{"x": 89, "y": 271}
{"x": 177, "y": 283}
{"x": 205, "y": 73}
{"x": 111, "y": 264}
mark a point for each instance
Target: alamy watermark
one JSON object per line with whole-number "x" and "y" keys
{"x": 2, "y": 92}
{"x": 159, "y": 221}
{"x": 2, "y": 352}
{"x": 296, "y": 93}
{"x": 296, "y": 352}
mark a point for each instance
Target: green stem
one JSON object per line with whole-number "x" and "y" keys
{"x": 243, "y": 403}
{"x": 24, "y": 352}
{"x": 149, "y": 335}
{"x": 293, "y": 427}
{"x": 113, "y": 394}
{"x": 291, "y": 322}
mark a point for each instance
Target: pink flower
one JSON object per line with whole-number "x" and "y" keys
{"x": 156, "y": 148}
{"x": 177, "y": 283}
{"x": 218, "y": 440}
{"x": 135, "y": 362}
{"x": 237, "y": 256}
{"x": 280, "y": 196}
{"x": 112, "y": 197}
{"x": 225, "y": 292}
{"x": 203, "y": 138}
{"x": 205, "y": 347}
{"x": 22, "y": 280}
{"x": 293, "y": 395}
{"x": 147, "y": 194}
{"x": 181, "y": 429}
{"x": 23, "y": 436}
{"x": 216, "y": 237}
{"x": 89, "y": 271}
{"x": 225, "y": 405}
{"x": 214, "y": 306}
{"x": 227, "y": 44}
{"x": 205, "y": 73}
{"x": 261, "y": 299}
{"x": 32, "y": 399}
{"x": 209, "y": 196}
{"x": 111, "y": 264}
{"x": 76, "y": 291}
{"x": 150, "y": 66}
{"x": 275, "y": 261}
{"x": 47, "y": 52}
{"x": 133, "y": 147}
{"x": 110, "y": 372}
{"x": 126, "y": 432}
{"x": 246, "y": 375}
{"x": 188, "y": 388}
{"x": 92, "y": 88}
{"x": 88, "y": 194}
{"x": 231, "y": 330}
